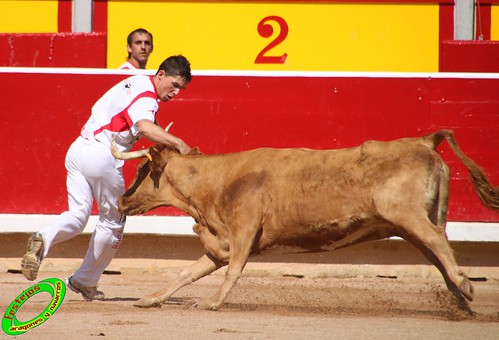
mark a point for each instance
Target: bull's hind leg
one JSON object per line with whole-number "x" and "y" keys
{"x": 439, "y": 213}
{"x": 202, "y": 267}
{"x": 433, "y": 243}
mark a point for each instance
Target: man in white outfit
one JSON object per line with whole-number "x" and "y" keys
{"x": 124, "y": 113}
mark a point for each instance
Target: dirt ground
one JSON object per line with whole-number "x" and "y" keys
{"x": 266, "y": 303}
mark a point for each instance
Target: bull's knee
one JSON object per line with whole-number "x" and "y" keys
{"x": 186, "y": 276}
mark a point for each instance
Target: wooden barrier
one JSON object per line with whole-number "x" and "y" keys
{"x": 221, "y": 112}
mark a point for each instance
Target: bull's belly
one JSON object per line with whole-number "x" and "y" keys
{"x": 325, "y": 238}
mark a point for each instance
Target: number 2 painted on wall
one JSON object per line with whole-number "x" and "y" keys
{"x": 266, "y": 31}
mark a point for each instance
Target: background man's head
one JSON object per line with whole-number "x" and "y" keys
{"x": 139, "y": 47}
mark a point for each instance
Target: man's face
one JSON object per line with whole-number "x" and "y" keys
{"x": 168, "y": 87}
{"x": 141, "y": 47}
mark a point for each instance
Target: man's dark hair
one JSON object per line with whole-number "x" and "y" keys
{"x": 129, "y": 39}
{"x": 177, "y": 66}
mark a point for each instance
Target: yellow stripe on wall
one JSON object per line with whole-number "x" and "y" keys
{"x": 494, "y": 23}
{"x": 321, "y": 37}
{"x": 28, "y": 16}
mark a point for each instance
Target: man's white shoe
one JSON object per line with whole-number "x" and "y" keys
{"x": 88, "y": 293}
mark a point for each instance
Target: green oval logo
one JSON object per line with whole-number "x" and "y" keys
{"x": 55, "y": 287}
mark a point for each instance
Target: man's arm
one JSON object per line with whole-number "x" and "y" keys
{"x": 156, "y": 134}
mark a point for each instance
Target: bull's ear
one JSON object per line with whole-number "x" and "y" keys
{"x": 158, "y": 163}
{"x": 195, "y": 151}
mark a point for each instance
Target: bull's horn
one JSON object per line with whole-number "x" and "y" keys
{"x": 127, "y": 155}
{"x": 131, "y": 154}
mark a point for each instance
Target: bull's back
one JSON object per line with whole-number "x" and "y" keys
{"x": 308, "y": 172}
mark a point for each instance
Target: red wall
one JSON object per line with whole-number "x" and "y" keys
{"x": 43, "y": 113}
{"x": 53, "y": 49}
{"x": 469, "y": 56}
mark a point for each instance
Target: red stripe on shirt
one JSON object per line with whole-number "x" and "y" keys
{"x": 121, "y": 121}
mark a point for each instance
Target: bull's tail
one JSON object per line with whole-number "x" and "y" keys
{"x": 488, "y": 194}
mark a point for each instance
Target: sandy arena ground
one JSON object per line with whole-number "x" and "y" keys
{"x": 270, "y": 301}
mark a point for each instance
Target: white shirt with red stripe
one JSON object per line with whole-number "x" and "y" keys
{"x": 127, "y": 66}
{"x": 117, "y": 112}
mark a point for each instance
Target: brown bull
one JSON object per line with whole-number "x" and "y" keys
{"x": 248, "y": 201}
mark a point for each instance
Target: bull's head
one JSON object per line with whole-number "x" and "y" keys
{"x": 151, "y": 187}
{"x": 141, "y": 194}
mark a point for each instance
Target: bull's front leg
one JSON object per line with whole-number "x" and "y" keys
{"x": 202, "y": 267}
{"x": 218, "y": 246}
{"x": 240, "y": 248}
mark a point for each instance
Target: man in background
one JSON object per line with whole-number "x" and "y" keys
{"x": 139, "y": 47}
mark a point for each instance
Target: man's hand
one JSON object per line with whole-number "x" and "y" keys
{"x": 183, "y": 148}
{"x": 156, "y": 134}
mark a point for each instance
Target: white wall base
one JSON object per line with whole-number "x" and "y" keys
{"x": 182, "y": 225}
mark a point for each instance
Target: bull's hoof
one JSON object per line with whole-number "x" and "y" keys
{"x": 148, "y": 302}
{"x": 467, "y": 289}
{"x": 205, "y": 305}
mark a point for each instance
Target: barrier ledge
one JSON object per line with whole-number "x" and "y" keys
{"x": 252, "y": 73}
{"x": 182, "y": 226}
{"x": 162, "y": 225}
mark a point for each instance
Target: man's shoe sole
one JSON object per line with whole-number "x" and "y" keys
{"x": 30, "y": 267}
